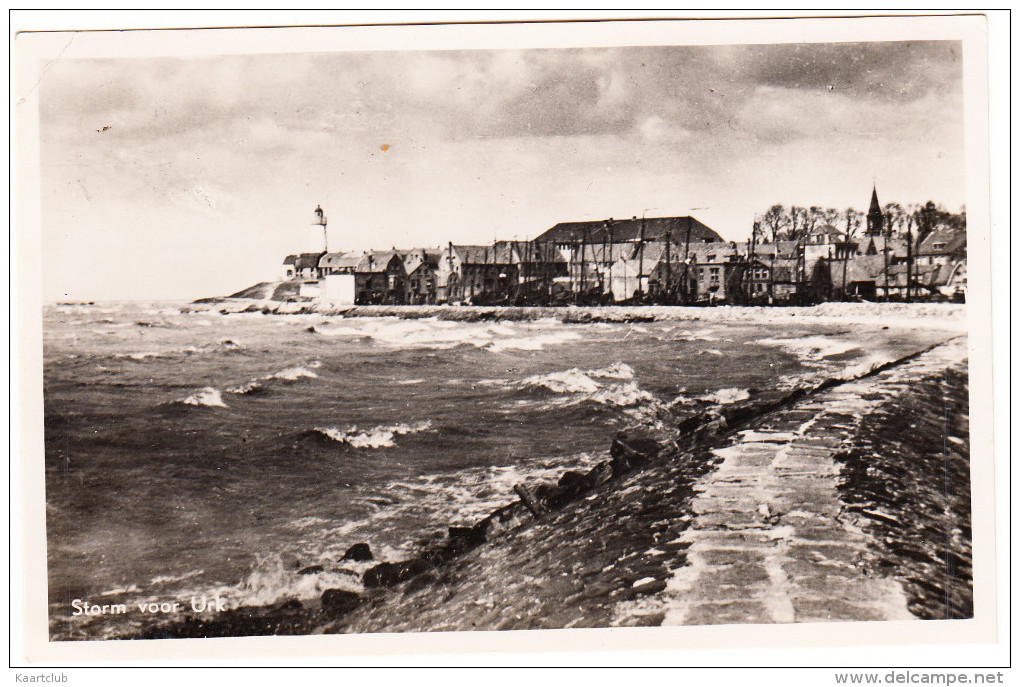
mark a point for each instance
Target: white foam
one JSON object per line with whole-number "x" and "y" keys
{"x": 811, "y": 347}
{"x": 163, "y": 579}
{"x": 292, "y": 374}
{"x": 209, "y": 396}
{"x": 141, "y": 356}
{"x": 579, "y": 381}
{"x": 245, "y": 388}
{"x": 434, "y": 333}
{"x": 730, "y": 395}
{"x": 378, "y": 437}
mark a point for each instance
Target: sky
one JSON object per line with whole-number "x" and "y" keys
{"x": 179, "y": 178}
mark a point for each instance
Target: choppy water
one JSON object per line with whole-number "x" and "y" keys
{"x": 218, "y": 454}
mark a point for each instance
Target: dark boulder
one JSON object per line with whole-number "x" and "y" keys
{"x": 358, "y": 552}
{"x": 337, "y": 601}
{"x": 464, "y": 538}
{"x": 310, "y": 570}
{"x": 389, "y": 574}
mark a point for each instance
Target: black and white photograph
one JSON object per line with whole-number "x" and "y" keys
{"x": 669, "y": 328}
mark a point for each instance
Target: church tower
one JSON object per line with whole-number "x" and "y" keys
{"x": 876, "y": 220}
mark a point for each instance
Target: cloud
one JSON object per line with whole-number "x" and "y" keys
{"x": 225, "y": 149}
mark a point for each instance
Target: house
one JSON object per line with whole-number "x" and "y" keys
{"x": 381, "y": 279}
{"x": 943, "y": 246}
{"x": 827, "y": 241}
{"x": 375, "y": 277}
{"x": 718, "y": 270}
{"x": 339, "y": 279}
{"x": 421, "y": 265}
{"x": 468, "y": 273}
{"x": 301, "y": 266}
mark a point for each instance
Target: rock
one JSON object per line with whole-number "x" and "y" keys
{"x": 464, "y": 538}
{"x": 339, "y": 601}
{"x": 638, "y": 451}
{"x": 529, "y": 499}
{"x": 573, "y": 482}
{"x": 358, "y": 552}
{"x": 310, "y": 570}
{"x": 600, "y": 474}
{"x": 389, "y": 574}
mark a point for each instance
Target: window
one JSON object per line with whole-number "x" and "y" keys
{"x": 939, "y": 246}
{"x": 711, "y": 257}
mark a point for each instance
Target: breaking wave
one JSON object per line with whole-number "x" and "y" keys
{"x": 293, "y": 373}
{"x": 377, "y": 437}
{"x": 813, "y": 348}
{"x": 209, "y": 396}
{"x": 575, "y": 380}
{"x": 494, "y": 337}
{"x": 724, "y": 396}
{"x": 141, "y": 356}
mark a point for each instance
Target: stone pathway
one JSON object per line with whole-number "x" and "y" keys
{"x": 770, "y": 541}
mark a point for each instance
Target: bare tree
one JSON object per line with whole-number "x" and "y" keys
{"x": 775, "y": 220}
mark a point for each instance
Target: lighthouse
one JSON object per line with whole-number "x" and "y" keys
{"x": 317, "y": 241}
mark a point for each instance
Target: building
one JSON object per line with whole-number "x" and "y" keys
{"x": 374, "y": 277}
{"x": 943, "y": 246}
{"x": 681, "y": 230}
{"x": 472, "y": 273}
{"x": 421, "y": 266}
{"x": 301, "y": 266}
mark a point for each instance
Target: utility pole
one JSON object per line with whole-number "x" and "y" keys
{"x": 885, "y": 254}
{"x": 669, "y": 267}
{"x": 754, "y": 236}
{"x": 641, "y": 258}
{"x": 910, "y": 255}
{"x": 687, "y": 259}
{"x": 609, "y": 258}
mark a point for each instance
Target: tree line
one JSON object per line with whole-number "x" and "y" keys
{"x": 793, "y": 223}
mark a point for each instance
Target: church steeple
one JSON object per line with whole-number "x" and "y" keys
{"x": 876, "y": 220}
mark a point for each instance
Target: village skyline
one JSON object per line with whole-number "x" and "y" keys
{"x": 155, "y": 156}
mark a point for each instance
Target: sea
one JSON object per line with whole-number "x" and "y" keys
{"x": 239, "y": 456}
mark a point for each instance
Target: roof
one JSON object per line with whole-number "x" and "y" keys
{"x": 863, "y": 268}
{"x": 418, "y": 257}
{"x": 498, "y": 254}
{"x": 341, "y": 260}
{"x": 826, "y": 230}
{"x": 376, "y": 261}
{"x": 874, "y": 206}
{"x": 309, "y": 261}
{"x": 955, "y": 241}
{"x": 290, "y": 260}
{"x": 722, "y": 250}
{"x": 606, "y": 231}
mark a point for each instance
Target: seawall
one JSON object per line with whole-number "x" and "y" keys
{"x": 950, "y": 316}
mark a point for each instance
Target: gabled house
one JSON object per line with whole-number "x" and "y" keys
{"x": 301, "y": 266}
{"x": 943, "y": 246}
{"x": 421, "y": 266}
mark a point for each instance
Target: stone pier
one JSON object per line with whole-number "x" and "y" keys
{"x": 771, "y": 541}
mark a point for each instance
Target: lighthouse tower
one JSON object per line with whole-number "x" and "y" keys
{"x": 317, "y": 242}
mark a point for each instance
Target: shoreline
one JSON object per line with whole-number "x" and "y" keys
{"x": 948, "y": 316}
{"x": 687, "y": 447}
